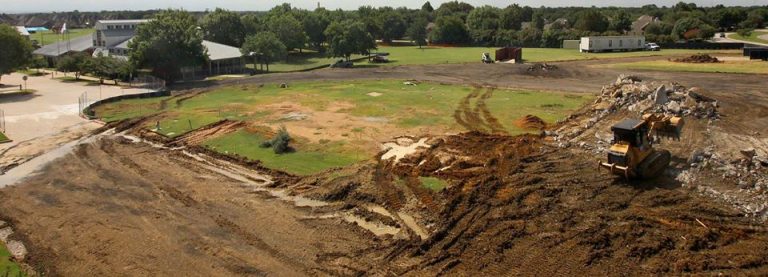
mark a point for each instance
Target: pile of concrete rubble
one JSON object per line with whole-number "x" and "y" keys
{"x": 749, "y": 172}
{"x": 655, "y": 97}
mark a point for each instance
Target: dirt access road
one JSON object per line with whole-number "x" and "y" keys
{"x": 119, "y": 208}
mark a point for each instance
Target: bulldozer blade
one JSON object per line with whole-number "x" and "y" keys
{"x": 616, "y": 169}
{"x": 672, "y": 131}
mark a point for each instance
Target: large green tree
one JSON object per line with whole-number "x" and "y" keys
{"x": 15, "y": 50}
{"x": 77, "y": 63}
{"x": 449, "y": 29}
{"x": 289, "y": 30}
{"x": 167, "y": 44}
{"x": 393, "y": 25}
{"x": 592, "y": 20}
{"x": 315, "y": 24}
{"x": 223, "y": 27}
{"x": 692, "y": 28}
{"x": 511, "y": 17}
{"x": 620, "y": 22}
{"x": 347, "y": 38}
{"x": 418, "y": 31}
{"x": 265, "y": 46}
{"x": 427, "y": 7}
{"x": 252, "y": 24}
{"x": 483, "y": 22}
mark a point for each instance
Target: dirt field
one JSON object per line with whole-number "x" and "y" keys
{"x": 520, "y": 205}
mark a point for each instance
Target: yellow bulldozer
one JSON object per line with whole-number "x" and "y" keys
{"x": 632, "y": 154}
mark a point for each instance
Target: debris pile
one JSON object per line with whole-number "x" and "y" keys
{"x": 749, "y": 173}
{"x": 542, "y": 67}
{"x": 699, "y": 58}
{"x": 530, "y": 122}
{"x": 651, "y": 97}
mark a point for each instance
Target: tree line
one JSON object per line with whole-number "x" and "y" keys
{"x": 461, "y": 23}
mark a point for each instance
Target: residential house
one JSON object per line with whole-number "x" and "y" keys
{"x": 639, "y": 25}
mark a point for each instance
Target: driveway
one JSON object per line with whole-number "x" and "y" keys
{"x": 47, "y": 117}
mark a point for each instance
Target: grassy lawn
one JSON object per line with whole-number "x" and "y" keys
{"x": 3, "y": 138}
{"x": 48, "y": 37}
{"x": 754, "y": 37}
{"x": 7, "y": 267}
{"x": 432, "y": 183}
{"x": 305, "y": 160}
{"x": 405, "y": 55}
{"x": 342, "y": 122}
{"x": 301, "y": 61}
{"x": 411, "y": 55}
{"x": 129, "y": 109}
{"x": 756, "y": 67}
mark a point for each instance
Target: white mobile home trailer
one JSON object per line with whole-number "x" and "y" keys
{"x": 612, "y": 43}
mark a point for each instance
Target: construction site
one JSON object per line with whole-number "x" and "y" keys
{"x": 646, "y": 173}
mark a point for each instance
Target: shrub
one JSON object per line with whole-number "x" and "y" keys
{"x": 280, "y": 141}
{"x": 744, "y": 32}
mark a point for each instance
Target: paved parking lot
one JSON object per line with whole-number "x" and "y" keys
{"x": 52, "y": 109}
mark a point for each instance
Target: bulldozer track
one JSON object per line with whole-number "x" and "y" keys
{"x": 478, "y": 117}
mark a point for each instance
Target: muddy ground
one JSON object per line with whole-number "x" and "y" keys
{"x": 513, "y": 205}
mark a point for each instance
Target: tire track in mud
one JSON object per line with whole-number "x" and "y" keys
{"x": 478, "y": 117}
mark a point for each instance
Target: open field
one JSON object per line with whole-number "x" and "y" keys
{"x": 48, "y": 37}
{"x": 402, "y": 55}
{"x": 755, "y": 36}
{"x": 411, "y": 55}
{"x": 754, "y": 67}
{"x": 339, "y": 123}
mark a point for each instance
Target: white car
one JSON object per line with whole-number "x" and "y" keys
{"x": 652, "y": 47}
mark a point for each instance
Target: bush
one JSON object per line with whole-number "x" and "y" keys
{"x": 744, "y": 32}
{"x": 280, "y": 141}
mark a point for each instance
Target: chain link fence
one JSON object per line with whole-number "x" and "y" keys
{"x": 148, "y": 82}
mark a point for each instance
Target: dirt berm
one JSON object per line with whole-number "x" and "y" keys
{"x": 520, "y": 206}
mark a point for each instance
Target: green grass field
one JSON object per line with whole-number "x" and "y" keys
{"x": 345, "y": 121}
{"x": 754, "y": 37}
{"x": 411, "y": 55}
{"x": 754, "y": 67}
{"x": 48, "y": 37}
{"x": 432, "y": 183}
{"x": 305, "y": 161}
{"x": 3, "y": 138}
{"x": 7, "y": 267}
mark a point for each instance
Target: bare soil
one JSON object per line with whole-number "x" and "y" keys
{"x": 512, "y": 206}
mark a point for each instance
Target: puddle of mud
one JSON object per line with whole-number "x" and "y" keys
{"x": 398, "y": 151}
{"x": 411, "y": 223}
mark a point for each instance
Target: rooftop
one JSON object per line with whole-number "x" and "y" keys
{"x": 217, "y": 51}
{"x": 123, "y": 21}
{"x": 77, "y": 44}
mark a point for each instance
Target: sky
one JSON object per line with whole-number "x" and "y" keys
{"x": 24, "y": 6}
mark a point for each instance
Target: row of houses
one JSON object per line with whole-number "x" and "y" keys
{"x": 111, "y": 38}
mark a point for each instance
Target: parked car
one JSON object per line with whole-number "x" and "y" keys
{"x": 342, "y": 64}
{"x": 722, "y": 35}
{"x": 652, "y": 47}
{"x": 379, "y": 59}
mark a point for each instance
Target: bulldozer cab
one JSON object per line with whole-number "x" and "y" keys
{"x": 632, "y": 132}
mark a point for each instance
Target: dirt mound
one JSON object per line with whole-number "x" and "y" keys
{"x": 530, "y": 122}
{"x": 542, "y": 67}
{"x": 699, "y": 58}
{"x": 519, "y": 203}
